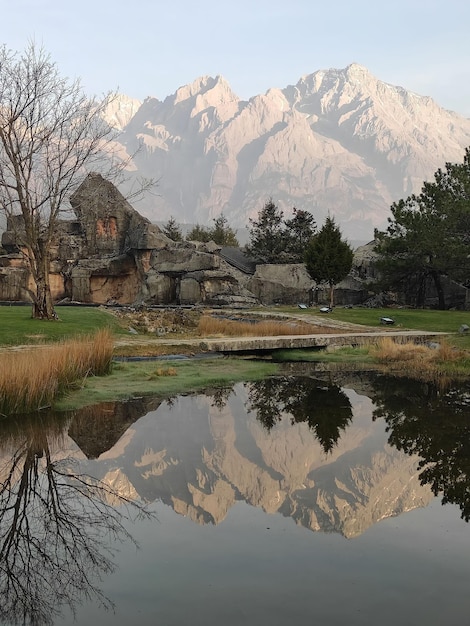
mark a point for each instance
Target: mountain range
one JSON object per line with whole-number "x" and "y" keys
{"x": 338, "y": 142}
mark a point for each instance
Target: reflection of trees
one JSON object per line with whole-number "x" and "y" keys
{"x": 56, "y": 526}
{"x": 220, "y": 396}
{"x": 435, "y": 425}
{"x": 324, "y": 407}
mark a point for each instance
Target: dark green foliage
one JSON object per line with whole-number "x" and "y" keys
{"x": 328, "y": 258}
{"x": 267, "y": 234}
{"x": 428, "y": 236}
{"x": 298, "y": 232}
{"x": 433, "y": 425}
{"x": 273, "y": 240}
{"x": 172, "y": 230}
{"x": 199, "y": 233}
{"x": 222, "y": 234}
{"x": 324, "y": 407}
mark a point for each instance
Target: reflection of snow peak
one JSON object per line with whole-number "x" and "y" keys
{"x": 200, "y": 460}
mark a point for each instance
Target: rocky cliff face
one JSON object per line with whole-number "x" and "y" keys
{"x": 338, "y": 140}
{"x": 112, "y": 254}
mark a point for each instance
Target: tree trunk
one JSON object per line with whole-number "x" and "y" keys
{"x": 421, "y": 292}
{"x": 43, "y": 306}
{"x": 332, "y": 296}
{"x": 440, "y": 291}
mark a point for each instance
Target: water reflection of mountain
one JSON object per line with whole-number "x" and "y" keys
{"x": 335, "y": 453}
{"x": 200, "y": 457}
{"x": 315, "y": 447}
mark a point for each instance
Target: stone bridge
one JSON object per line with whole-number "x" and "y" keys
{"x": 255, "y": 344}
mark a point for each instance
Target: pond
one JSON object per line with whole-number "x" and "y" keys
{"x": 310, "y": 497}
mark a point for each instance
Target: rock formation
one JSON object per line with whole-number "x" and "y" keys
{"x": 110, "y": 253}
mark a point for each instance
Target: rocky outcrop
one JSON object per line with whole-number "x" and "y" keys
{"x": 109, "y": 224}
{"x": 282, "y": 284}
{"x": 111, "y": 254}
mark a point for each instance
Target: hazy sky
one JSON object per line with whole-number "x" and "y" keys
{"x": 150, "y": 48}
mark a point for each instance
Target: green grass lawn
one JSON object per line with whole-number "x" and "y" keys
{"x": 441, "y": 321}
{"x": 17, "y": 327}
{"x": 405, "y": 319}
{"x": 131, "y": 379}
{"x": 412, "y": 319}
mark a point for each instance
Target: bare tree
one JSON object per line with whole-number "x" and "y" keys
{"x": 51, "y": 136}
{"x": 57, "y": 526}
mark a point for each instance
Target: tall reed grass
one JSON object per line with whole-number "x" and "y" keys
{"x": 33, "y": 379}
{"x": 432, "y": 364}
{"x": 209, "y": 325}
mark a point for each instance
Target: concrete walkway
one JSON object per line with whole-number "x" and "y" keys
{"x": 252, "y": 344}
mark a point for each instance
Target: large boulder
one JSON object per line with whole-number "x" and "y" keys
{"x": 182, "y": 259}
{"x": 99, "y": 281}
{"x": 110, "y": 224}
{"x": 281, "y": 284}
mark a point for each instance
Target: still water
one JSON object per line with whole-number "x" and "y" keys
{"x": 317, "y": 498}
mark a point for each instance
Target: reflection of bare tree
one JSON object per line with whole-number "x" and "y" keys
{"x": 56, "y": 527}
{"x": 324, "y": 407}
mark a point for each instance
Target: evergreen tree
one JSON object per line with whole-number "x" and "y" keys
{"x": 172, "y": 230}
{"x": 267, "y": 239}
{"x": 199, "y": 233}
{"x": 428, "y": 235}
{"x": 328, "y": 258}
{"x": 222, "y": 234}
{"x": 298, "y": 232}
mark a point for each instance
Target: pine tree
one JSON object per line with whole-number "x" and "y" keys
{"x": 298, "y": 232}
{"x": 267, "y": 239}
{"x": 222, "y": 234}
{"x": 199, "y": 233}
{"x": 172, "y": 230}
{"x": 428, "y": 235}
{"x": 328, "y": 258}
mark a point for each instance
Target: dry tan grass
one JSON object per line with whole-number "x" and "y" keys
{"x": 32, "y": 379}
{"x": 418, "y": 361}
{"x": 389, "y": 350}
{"x": 163, "y": 371}
{"x": 212, "y": 326}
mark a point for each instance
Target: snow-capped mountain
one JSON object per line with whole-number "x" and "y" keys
{"x": 338, "y": 141}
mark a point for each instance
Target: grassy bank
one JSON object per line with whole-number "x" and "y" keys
{"x": 18, "y": 328}
{"x": 431, "y": 364}
{"x": 165, "y": 378}
{"x": 405, "y": 319}
{"x": 442, "y": 362}
{"x": 411, "y": 319}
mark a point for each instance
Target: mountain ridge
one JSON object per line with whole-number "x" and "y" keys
{"x": 339, "y": 141}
